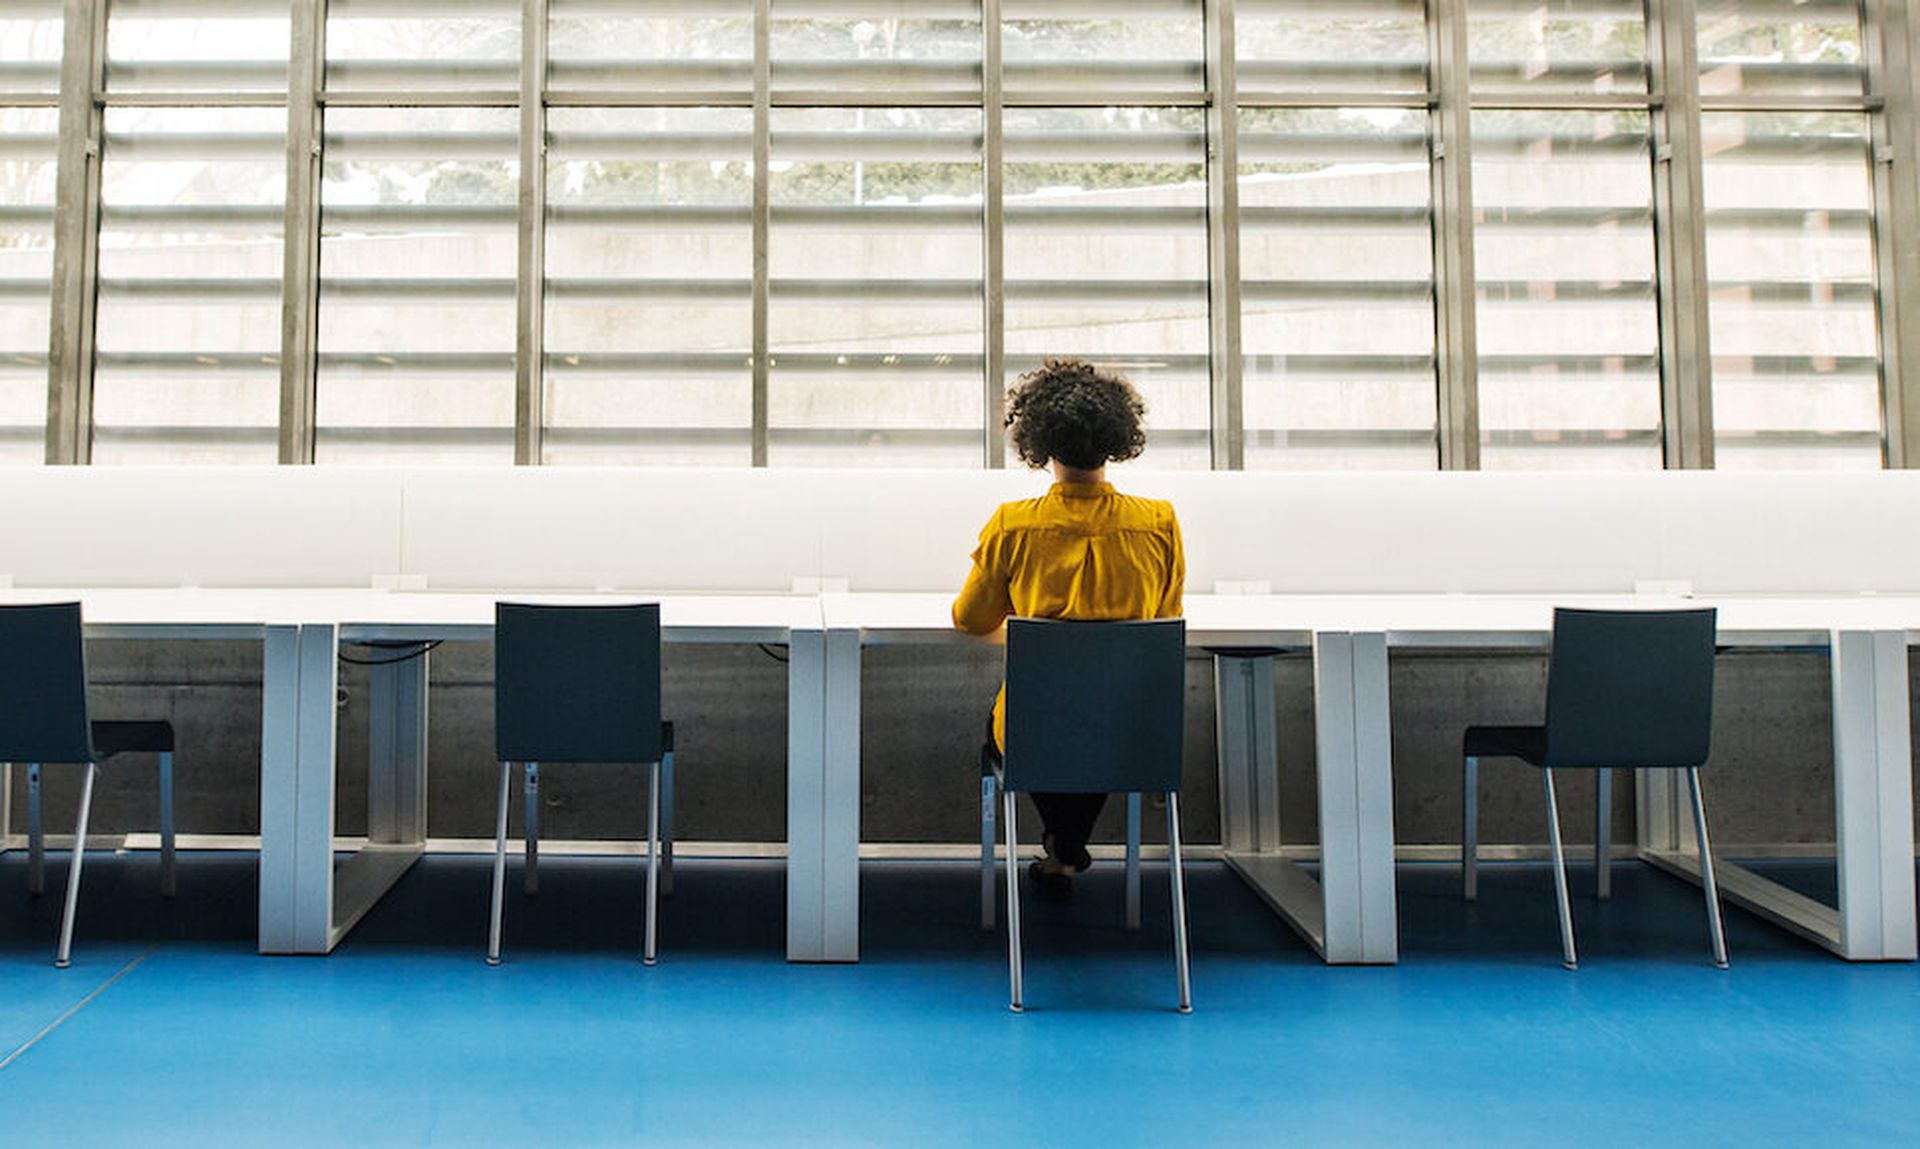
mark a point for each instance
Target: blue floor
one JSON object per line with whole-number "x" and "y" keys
{"x": 405, "y": 1037}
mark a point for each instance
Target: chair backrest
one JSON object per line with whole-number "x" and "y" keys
{"x": 43, "y": 685}
{"x": 576, "y": 683}
{"x": 1630, "y": 688}
{"x": 1094, "y": 707}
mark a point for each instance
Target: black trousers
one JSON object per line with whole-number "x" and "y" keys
{"x": 1068, "y": 818}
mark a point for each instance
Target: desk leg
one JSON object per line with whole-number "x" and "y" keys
{"x": 397, "y": 751}
{"x": 823, "y": 796}
{"x": 1873, "y": 795}
{"x": 300, "y": 680}
{"x": 1249, "y": 750}
{"x": 1354, "y": 749}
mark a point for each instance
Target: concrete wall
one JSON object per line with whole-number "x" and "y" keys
{"x": 1770, "y": 779}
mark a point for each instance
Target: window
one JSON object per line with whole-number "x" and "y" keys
{"x": 418, "y": 252}
{"x": 27, "y": 146}
{"x": 1106, "y": 256}
{"x": 876, "y": 310}
{"x": 1360, "y": 46}
{"x": 1568, "y": 317}
{"x": 649, "y": 304}
{"x": 187, "y": 357}
{"x": 194, "y": 46}
{"x": 1336, "y": 307}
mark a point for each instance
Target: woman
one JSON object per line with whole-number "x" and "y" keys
{"x": 1081, "y": 551}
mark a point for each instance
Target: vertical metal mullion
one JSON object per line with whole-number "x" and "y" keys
{"x": 76, "y": 235}
{"x": 529, "y": 406}
{"x": 762, "y": 158}
{"x": 300, "y": 276}
{"x": 1455, "y": 342}
{"x": 1225, "y": 362}
{"x": 993, "y": 236}
{"x": 1680, "y": 240}
{"x": 1896, "y": 223}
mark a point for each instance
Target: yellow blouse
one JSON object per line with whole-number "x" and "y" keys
{"x": 1082, "y": 550}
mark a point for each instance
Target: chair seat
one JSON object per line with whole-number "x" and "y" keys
{"x": 111, "y": 738}
{"x": 1527, "y": 743}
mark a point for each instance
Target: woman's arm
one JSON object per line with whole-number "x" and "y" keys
{"x": 1172, "y": 597}
{"x": 984, "y": 602}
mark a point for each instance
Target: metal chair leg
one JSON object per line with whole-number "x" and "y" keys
{"x": 36, "y": 837}
{"x": 1179, "y": 902}
{"x": 1568, "y": 958}
{"x": 666, "y": 824}
{"x": 499, "y": 864}
{"x": 1603, "y": 835}
{"x": 1013, "y": 901}
{"x": 532, "y": 791}
{"x": 1706, "y": 871}
{"x": 988, "y": 835}
{"x": 167, "y": 885}
{"x": 650, "y": 954}
{"x": 1133, "y": 861}
{"x": 60, "y": 957}
{"x": 1470, "y": 830}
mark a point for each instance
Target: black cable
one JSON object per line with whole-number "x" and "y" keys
{"x": 771, "y": 650}
{"x": 413, "y": 650}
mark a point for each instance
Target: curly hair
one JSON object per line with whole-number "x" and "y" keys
{"x": 1071, "y": 411}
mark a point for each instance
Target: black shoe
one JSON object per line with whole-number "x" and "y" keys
{"x": 1052, "y": 887}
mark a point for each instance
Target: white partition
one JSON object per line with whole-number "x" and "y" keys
{"x": 198, "y": 526}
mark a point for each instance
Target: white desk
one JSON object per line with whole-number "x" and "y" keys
{"x": 307, "y": 903}
{"x": 1349, "y": 915}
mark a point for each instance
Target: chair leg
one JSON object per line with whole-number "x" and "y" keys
{"x": 60, "y": 957}
{"x": 1013, "y": 900}
{"x": 666, "y": 824}
{"x": 1470, "y": 830}
{"x": 1133, "y": 861}
{"x": 650, "y": 954}
{"x": 36, "y": 838}
{"x": 1706, "y": 871}
{"x": 531, "y": 788}
{"x": 1568, "y": 958}
{"x": 1179, "y": 902}
{"x": 988, "y": 834}
{"x": 499, "y": 864}
{"x": 167, "y": 885}
{"x": 1603, "y": 835}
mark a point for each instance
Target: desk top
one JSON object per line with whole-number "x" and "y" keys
{"x": 1433, "y": 621}
{"x": 208, "y": 612}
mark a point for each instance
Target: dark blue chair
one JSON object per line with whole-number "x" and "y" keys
{"x": 43, "y": 719}
{"x": 578, "y": 684}
{"x": 1625, "y": 689}
{"x": 1094, "y": 708}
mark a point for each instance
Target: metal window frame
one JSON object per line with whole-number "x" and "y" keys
{"x": 1891, "y": 43}
{"x": 530, "y": 337}
{"x": 76, "y": 234}
{"x": 300, "y": 274}
{"x": 993, "y": 237}
{"x": 1456, "y": 347}
{"x": 1679, "y": 236}
{"x": 1226, "y": 365}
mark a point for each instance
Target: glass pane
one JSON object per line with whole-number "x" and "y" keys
{"x": 187, "y": 363}
{"x": 407, "y": 45}
{"x": 650, "y": 45}
{"x": 27, "y": 146}
{"x": 876, "y": 45}
{"x": 1790, "y": 264}
{"x": 649, "y": 307}
{"x": 1336, "y": 307}
{"x": 197, "y": 45}
{"x": 1103, "y": 47}
{"x": 1106, "y": 257}
{"x": 418, "y": 251}
{"x": 876, "y": 321}
{"x": 1780, "y": 47}
{"x": 1557, "y": 45}
{"x": 1337, "y": 46}
{"x": 1569, "y": 322}
{"x": 30, "y": 45}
